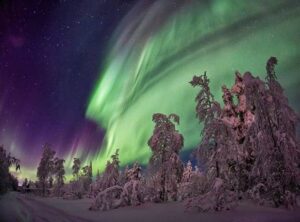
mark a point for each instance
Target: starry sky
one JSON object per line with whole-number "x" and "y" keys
{"x": 50, "y": 56}
{"x": 86, "y": 76}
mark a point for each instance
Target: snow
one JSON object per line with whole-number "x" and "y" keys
{"x": 26, "y": 207}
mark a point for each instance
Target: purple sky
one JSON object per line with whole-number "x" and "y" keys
{"x": 50, "y": 54}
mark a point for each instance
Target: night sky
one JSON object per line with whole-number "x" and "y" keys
{"x": 86, "y": 76}
{"x": 51, "y": 53}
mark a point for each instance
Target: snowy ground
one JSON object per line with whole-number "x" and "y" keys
{"x": 25, "y": 207}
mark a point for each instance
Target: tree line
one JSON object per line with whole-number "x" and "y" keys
{"x": 248, "y": 149}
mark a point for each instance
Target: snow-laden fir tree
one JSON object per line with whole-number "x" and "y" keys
{"x": 87, "y": 176}
{"x": 76, "y": 167}
{"x": 272, "y": 139}
{"x": 45, "y": 167}
{"x": 250, "y": 145}
{"x": 114, "y": 196}
{"x": 107, "y": 190}
{"x": 110, "y": 176}
{"x": 215, "y": 151}
{"x": 59, "y": 173}
{"x": 165, "y": 166}
{"x": 7, "y": 180}
{"x": 132, "y": 190}
{"x": 80, "y": 185}
{"x": 193, "y": 182}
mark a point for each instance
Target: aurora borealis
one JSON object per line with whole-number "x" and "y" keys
{"x": 154, "y": 56}
{"x": 102, "y": 83}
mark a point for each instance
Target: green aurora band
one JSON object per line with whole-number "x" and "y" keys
{"x": 158, "y": 48}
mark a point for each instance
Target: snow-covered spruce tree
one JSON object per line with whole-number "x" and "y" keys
{"x": 7, "y": 181}
{"x": 76, "y": 167}
{"x": 236, "y": 120}
{"x": 265, "y": 128}
{"x": 216, "y": 151}
{"x": 87, "y": 176}
{"x": 272, "y": 139}
{"x": 110, "y": 176}
{"x": 256, "y": 150}
{"x": 132, "y": 191}
{"x": 193, "y": 182}
{"x": 123, "y": 176}
{"x": 106, "y": 189}
{"x": 165, "y": 165}
{"x": 207, "y": 111}
{"x": 80, "y": 186}
{"x": 216, "y": 135}
{"x": 117, "y": 195}
{"x": 45, "y": 167}
{"x": 59, "y": 173}
{"x": 187, "y": 172}
{"x": 75, "y": 188}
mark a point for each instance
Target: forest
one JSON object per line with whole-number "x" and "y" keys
{"x": 248, "y": 150}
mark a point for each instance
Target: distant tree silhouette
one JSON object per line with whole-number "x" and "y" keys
{"x": 25, "y": 183}
{"x": 98, "y": 175}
